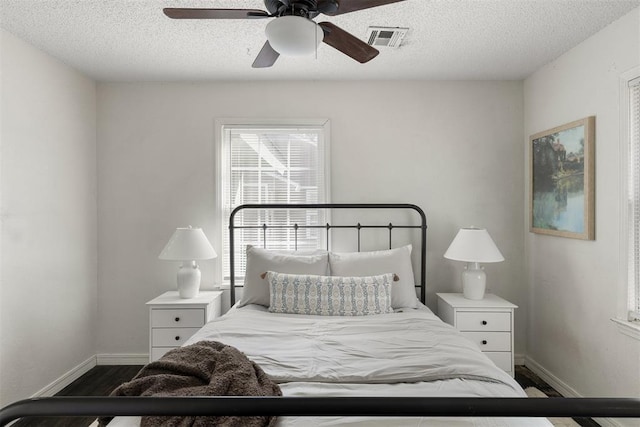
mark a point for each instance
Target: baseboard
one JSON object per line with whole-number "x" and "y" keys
{"x": 122, "y": 359}
{"x": 563, "y": 388}
{"x": 57, "y": 385}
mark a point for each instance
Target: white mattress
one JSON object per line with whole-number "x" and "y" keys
{"x": 411, "y": 353}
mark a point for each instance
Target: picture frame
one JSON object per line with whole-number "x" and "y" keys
{"x": 562, "y": 180}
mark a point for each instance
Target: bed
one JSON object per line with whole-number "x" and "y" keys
{"x": 402, "y": 354}
{"x": 356, "y": 348}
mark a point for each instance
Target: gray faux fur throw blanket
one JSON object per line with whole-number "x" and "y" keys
{"x": 206, "y": 368}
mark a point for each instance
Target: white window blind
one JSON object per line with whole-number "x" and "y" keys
{"x": 272, "y": 164}
{"x": 634, "y": 200}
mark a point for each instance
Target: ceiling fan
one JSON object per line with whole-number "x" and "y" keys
{"x": 294, "y": 32}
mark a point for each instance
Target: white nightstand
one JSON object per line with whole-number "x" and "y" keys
{"x": 173, "y": 320}
{"x": 487, "y": 322}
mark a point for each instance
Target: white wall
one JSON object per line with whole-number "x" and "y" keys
{"x": 575, "y": 286}
{"x": 48, "y": 271}
{"x": 450, "y": 147}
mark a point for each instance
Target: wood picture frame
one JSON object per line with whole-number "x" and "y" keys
{"x": 562, "y": 180}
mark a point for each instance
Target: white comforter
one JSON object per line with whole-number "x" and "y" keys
{"x": 410, "y": 353}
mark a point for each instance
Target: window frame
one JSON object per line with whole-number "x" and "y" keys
{"x": 219, "y": 150}
{"x": 625, "y": 320}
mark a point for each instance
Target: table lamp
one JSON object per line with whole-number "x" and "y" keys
{"x": 473, "y": 245}
{"x": 188, "y": 245}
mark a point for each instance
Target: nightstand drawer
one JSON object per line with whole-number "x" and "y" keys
{"x": 502, "y": 359}
{"x": 490, "y": 341}
{"x": 180, "y": 318}
{"x": 171, "y": 337}
{"x": 483, "y": 321}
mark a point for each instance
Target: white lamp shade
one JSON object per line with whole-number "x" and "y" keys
{"x": 294, "y": 35}
{"x": 188, "y": 244}
{"x": 473, "y": 245}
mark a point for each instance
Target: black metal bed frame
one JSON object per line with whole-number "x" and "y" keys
{"x": 328, "y": 227}
{"x": 324, "y": 406}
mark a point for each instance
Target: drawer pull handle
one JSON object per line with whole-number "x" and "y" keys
{"x": 178, "y": 338}
{"x": 484, "y": 342}
{"x": 177, "y": 319}
{"x": 484, "y": 322}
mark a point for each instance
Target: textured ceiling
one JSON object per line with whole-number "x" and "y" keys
{"x": 120, "y": 40}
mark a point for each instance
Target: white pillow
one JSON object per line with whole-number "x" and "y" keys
{"x": 259, "y": 261}
{"x": 330, "y": 295}
{"x": 398, "y": 261}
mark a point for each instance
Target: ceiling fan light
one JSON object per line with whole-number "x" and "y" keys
{"x": 294, "y": 35}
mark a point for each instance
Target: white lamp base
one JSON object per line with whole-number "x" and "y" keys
{"x": 189, "y": 280}
{"x": 474, "y": 281}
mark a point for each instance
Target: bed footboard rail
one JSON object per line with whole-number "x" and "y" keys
{"x": 322, "y": 406}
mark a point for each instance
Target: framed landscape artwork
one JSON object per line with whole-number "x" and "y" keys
{"x": 562, "y": 181}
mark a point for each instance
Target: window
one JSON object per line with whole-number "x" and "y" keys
{"x": 272, "y": 163}
{"x": 633, "y": 199}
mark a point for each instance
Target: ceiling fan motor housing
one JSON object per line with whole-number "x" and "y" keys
{"x": 305, "y": 8}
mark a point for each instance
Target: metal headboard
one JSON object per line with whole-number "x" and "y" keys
{"x": 328, "y": 227}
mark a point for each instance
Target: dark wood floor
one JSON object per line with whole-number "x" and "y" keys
{"x": 526, "y": 378}
{"x": 101, "y": 380}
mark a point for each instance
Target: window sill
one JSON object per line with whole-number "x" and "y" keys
{"x": 626, "y": 327}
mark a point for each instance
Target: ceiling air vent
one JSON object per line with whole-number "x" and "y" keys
{"x": 386, "y": 36}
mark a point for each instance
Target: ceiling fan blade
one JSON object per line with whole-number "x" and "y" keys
{"x": 181, "y": 13}
{"x": 346, "y": 43}
{"x": 346, "y": 6}
{"x": 266, "y": 57}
